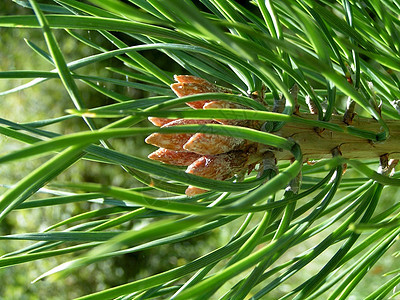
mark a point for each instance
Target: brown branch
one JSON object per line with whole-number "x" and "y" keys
{"x": 319, "y": 145}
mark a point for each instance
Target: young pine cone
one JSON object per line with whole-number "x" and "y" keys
{"x": 207, "y": 155}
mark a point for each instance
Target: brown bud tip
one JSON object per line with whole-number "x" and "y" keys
{"x": 219, "y": 167}
{"x": 189, "y": 122}
{"x": 200, "y": 82}
{"x": 223, "y": 104}
{"x": 193, "y": 191}
{"x": 212, "y": 144}
{"x": 190, "y": 79}
{"x": 160, "y": 121}
{"x": 173, "y": 141}
{"x": 187, "y": 89}
{"x": 191, "y": 85}
{"x": 177, "y": 158}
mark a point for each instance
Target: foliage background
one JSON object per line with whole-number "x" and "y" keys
{"x": 50, "y": 100}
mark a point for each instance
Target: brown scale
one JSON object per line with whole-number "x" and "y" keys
{"x": 218, "y": 167}
{"x": 160, "y": 121}
{"x": 177, "y": 158}
{"x": 174, "y": 141}
{"x": 191, "y": 85}
{"x": 212, "y": 144}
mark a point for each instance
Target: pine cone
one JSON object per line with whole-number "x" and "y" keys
{"x": 207, "y": 155}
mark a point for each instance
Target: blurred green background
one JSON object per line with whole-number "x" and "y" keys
{"x": 50, "y": 100}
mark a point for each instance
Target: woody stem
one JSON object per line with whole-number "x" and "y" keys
{"x": 316, "y": 144}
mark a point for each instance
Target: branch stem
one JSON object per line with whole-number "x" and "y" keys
{"x": 317, "y": 144}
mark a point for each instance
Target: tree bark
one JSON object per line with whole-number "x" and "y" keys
{"x": 318, "y": 145}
